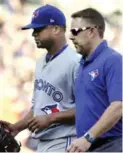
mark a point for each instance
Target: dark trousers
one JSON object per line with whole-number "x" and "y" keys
{"x": 110, "y": 144}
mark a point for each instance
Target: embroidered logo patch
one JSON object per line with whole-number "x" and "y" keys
{"x": 94, "y": 74}
{"x": 35, "y": 14}
{"x": 51, "y": 109}
{"x": 52, "y": 20}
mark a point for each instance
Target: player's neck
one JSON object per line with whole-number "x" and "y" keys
{"x": 57, "y": 46}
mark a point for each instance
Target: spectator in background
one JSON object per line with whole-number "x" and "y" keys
{"x": 114, "y": 29}
{"x": 1, "y": 51}
{"x": 98, "y": 87}
{"x": 16, "y": 67}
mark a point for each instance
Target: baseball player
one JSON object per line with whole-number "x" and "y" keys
{"x": 51, "y": 118}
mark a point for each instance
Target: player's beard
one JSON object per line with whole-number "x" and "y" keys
{"x": 45, "y": 43}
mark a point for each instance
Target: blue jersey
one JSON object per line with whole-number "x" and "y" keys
{"x": 98, "y": 84}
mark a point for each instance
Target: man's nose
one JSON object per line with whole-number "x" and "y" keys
{"x": 34, "y": 34}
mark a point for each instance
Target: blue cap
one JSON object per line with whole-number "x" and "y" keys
{"x": 46, "y": 15}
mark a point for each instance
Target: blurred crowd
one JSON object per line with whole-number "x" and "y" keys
{"x": 18, "y": 54}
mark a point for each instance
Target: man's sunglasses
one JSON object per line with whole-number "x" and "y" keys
{"x": 76, "y": 31}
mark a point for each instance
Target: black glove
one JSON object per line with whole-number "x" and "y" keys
{"x": 7, "y": 141}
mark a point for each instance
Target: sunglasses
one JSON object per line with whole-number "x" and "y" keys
{"x": 76, "y": 31}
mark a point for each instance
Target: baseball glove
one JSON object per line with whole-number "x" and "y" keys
{"x": 7, "y": 141}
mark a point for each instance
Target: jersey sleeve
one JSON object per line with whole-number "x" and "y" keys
{"x": 113, "y": 76}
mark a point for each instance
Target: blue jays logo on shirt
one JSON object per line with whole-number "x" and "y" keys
{"x": 51, "y": 109}
{"x": 94, "y": 74}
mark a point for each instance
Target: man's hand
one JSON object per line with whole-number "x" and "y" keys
{"x": 79, "y": 145}
{"x": 39, "y": 122}
{"x": 11, "y": 127}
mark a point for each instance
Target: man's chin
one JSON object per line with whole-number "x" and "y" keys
{"x": 78, "y": 50}
{"x": 39, "y": 46}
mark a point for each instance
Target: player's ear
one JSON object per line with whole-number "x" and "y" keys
{"x": 56, "y": 29}
{"x": 92, "y": 32}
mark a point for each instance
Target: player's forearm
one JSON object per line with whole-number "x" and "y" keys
{"x": 66, "y": 117}
{"x": 109, "y": 118}
{"x": 23, "y": 123}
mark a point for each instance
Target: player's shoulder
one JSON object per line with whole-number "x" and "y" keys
{"x": 71, "y": 54}
{"x": 112, "y": 59}
{"x": 41, "y": 58}
{"x": 113, "y": 55}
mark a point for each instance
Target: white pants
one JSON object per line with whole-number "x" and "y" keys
{"x": 57, "y": 145}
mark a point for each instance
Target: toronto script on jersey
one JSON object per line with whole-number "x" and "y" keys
{"x": 49, "y": 89}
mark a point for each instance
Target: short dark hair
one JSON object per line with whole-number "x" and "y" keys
{"x": 92, "y": 16}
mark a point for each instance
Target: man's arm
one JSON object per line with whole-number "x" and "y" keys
{"x": 20, "y": 125}
{"x": 113, "y": 73}
{"x": 23, "y": 123}
{"x": 109, "y": 118}
{"x": 44, "y": 121}
{"x": 66, "y": 117}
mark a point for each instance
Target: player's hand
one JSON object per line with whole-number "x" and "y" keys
{"x": 79, "y": 145}
{"x": 39, "y": 122}
{"x": 11, "y": 127}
